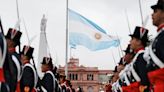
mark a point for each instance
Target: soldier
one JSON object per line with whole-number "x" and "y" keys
{"x": 108, "y": 88}
{"x": 129, "y": 54}
{"x": 48, "y": 81}
{"x": 12, "y": 64}
{"x": 120, "y": 66}
{"x": 57, "y": 87}
{"x": 68, "y": 84}
{"x": 57, "y": 75}
{"x": 79, "y": 89}
{"x": 73, "y": 90}
{"x": 29, "y": 77}
{"x": 62, "y": 80}
{"x": 3, "y": 87}
{"x": 139, "y": 79}
{"x": 124, "y": 78}
{"x": 155, "y": 53}
{"x": 114, "y": 80}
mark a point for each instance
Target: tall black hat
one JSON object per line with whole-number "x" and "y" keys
{"x": 121, "y": 61}
{"x": 141, "y": 34}
{"x": 115, "y": 69}
{"x": 47, "y": 61}
{"x": 159, "y": 5}
{"x": 128, "y": 49}
{"x": 27, "y": 51}
{"x": 14, "y": 35}
{"x": 62, "y": 75}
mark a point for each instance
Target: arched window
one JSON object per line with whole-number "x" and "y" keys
{"x": 90, "y": 89}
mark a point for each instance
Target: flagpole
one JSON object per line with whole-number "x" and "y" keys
{"x": 66, "y": 57}
{"x": 71, "y": 55}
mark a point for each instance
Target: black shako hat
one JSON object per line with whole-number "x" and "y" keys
{"x": 128, "y": 50}
{"x": 47, "y": 61}
{"x": 27, "y": 51}
{"x": 14, "y": 35}
{"x": 115, "y": 69}
{"x": 159, "y": 5}
{"x": 141, "y": 34}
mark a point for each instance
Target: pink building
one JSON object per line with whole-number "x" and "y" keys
{"x": 90, "y": 79}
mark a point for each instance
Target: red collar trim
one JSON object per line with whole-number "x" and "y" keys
{"x": 160, "y": 27}
{"x": 26, "y": 62}
{"x": 11, "y": 50}
{"x": 137, "y": 50}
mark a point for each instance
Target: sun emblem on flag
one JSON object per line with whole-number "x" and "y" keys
{"x": 97, "y": 36}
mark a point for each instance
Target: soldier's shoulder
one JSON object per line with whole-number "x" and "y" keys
{"x": 161, "y": 34}
{"x": 160, "y": 37}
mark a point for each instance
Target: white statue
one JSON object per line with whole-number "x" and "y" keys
{"x": 43, "y": 24}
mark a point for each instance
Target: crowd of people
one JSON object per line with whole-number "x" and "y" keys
{"x": 18, "y": 72}
{"x": 141, "y": 69}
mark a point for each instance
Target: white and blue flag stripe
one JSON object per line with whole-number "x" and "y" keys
{"x": 84, "y": 32}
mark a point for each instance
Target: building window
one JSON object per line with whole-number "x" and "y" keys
{"x": 76, "y": 77}
{"x": 89, "y": 76}
{"x": 73, "y": 76}
{"x": 70, "y": 76}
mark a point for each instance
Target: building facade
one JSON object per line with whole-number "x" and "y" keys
{"x": 90, "y": 79}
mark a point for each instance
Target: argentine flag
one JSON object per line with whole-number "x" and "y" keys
{"x": 84, "y": 32}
